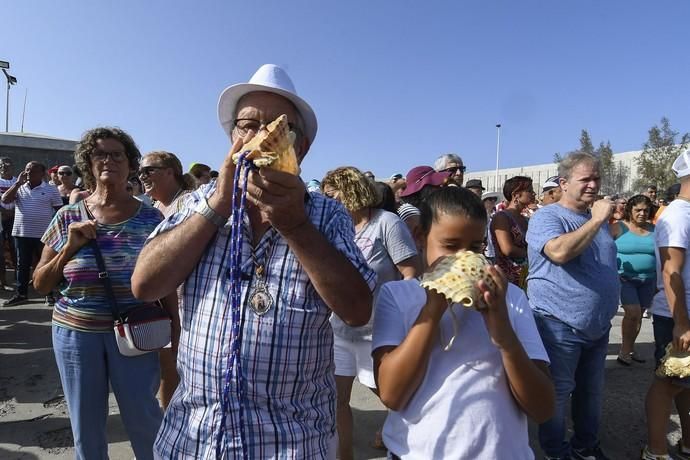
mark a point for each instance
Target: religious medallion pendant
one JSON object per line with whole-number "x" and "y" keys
{"x": 260, "y": 300}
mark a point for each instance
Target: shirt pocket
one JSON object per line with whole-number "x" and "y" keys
{"x": 300, "y": 305}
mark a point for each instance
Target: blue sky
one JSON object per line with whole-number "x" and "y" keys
{"x": 394, "y": 83}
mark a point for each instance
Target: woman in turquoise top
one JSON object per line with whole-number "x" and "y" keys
{"x": 634, "y": 237}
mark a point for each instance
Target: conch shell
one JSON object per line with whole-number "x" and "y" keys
{"x": 456, "y": 278}
{"x": 273, "y": 147}
{"x": 674, "y": 363}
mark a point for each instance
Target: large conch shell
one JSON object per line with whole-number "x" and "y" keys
{"x": 273, "y": 148}
{"x": 674, "y": 363}
{"x": 456, "y": 278}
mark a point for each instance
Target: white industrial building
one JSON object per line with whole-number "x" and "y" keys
{"x": 539, "y": 173}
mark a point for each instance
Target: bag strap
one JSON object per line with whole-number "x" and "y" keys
{"x": 105, "y": 279}
{"x": 102, "y": 271}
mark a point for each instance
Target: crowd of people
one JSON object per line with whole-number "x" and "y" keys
{"x": 328, "y": 290}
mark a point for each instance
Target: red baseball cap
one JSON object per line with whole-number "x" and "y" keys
{"x": 420, "y": 176}
{"x": 52, "y": 170}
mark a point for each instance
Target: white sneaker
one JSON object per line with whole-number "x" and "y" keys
{"x": 647, "y": 455}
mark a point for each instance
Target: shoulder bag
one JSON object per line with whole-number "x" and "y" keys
{"x": 141, "y": 329}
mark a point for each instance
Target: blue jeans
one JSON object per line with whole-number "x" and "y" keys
{"x": 27, "y": 250}
{"x": 577, "y": 370}
{"x": 87, "y": 361}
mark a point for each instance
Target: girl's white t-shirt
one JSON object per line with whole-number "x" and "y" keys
{"x": 463, "y": 408}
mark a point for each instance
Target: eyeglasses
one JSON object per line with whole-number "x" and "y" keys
{"x": 65, "y": 173}
{"x": 244, "y": 125}
{"x": 147, "y": 170}
{"x": 99, "y": 155}
{"x": 455, "y": 169}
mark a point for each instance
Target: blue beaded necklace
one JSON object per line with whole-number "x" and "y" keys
{"x": 234, "y": 368}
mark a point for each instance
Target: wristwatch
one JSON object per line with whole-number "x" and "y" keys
{"x": 212, "y": 216}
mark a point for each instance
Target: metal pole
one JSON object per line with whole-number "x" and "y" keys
{"x": 498, "y": 150}
{"x": 26, "y": 90}
{"x": 7, "y": 107}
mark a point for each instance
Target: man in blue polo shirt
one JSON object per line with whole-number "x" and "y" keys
{"x": 35, "y": 203}
{"x": 573, "y": 289}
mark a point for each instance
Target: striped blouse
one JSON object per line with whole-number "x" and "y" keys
{"x": 286, "y": 355}
{"x": 82, "y": 304}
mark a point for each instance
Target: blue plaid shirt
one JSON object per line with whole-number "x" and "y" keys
{"x": 286, "y": 355}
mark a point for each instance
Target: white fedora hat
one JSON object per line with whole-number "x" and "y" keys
{"x": 272, "y": 79}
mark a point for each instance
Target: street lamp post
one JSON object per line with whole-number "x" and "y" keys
{"x": 498, "y": 150}
{"x": 4, "y": 65}
{"x": 10, "y": 81}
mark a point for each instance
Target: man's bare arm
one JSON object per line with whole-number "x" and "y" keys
{"x": 11, "y": 193}
{"x": 566, "y": 247}
{"x": 334, "y": 277}
{"x": 279, "y": 198}
{"x": 672, "y": 261}
{"x": 168, "y": 259}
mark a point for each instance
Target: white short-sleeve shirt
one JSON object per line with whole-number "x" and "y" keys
{"x": 672, "y": 231}
{"x": 34, "y": 209}
{"x": 463, "y": 407}
{"x": 5, "y": 185}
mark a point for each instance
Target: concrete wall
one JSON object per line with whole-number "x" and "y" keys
{"x": 23, "y": 147}
{"x": 539, "y": 173}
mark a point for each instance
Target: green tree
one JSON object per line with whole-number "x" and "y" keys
{"x": 585, "y": 146}
{"x": 613, "y": 175}
{"x": 658, "y": 154}
{"x": 586, "y": 143}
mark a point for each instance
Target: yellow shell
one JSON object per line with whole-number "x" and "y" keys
{"x": 273, "y": 147}
{"x": 674, "y": 363}
{"x": 456, "y": 278}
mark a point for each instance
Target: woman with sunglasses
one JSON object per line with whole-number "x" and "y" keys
{"x": 86, "y": 352}
{"x": 163, "y": 180}
{"x": 66, "y": 176}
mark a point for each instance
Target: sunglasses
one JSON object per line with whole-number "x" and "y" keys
{"x": 455, "y": 169}
{"x": 147, "y": 170}
{"x": 65, "y": 173}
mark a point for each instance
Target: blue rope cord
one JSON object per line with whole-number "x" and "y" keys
{"x": 234, "y": 368}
